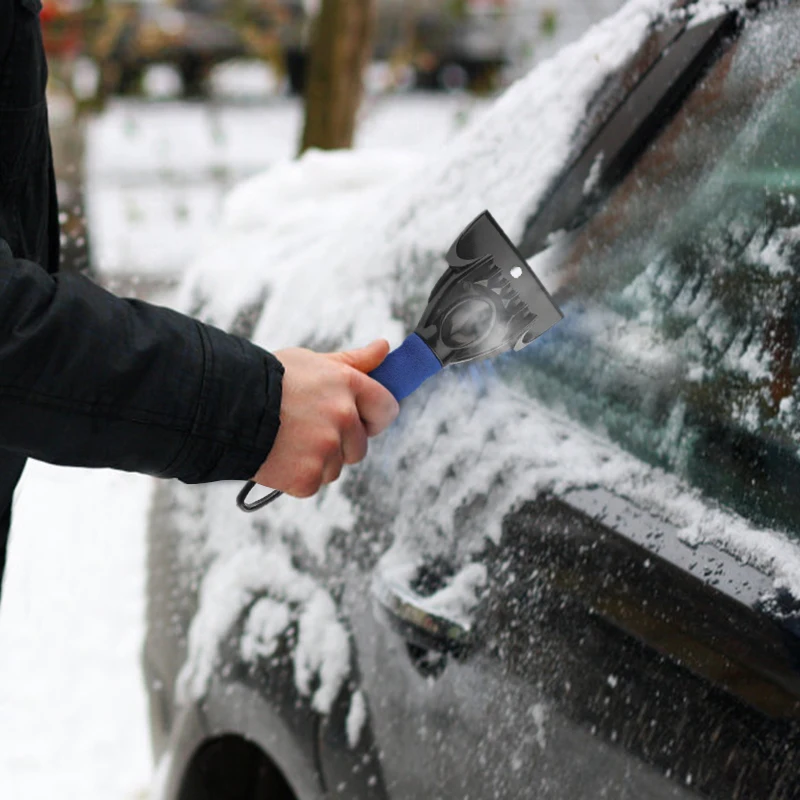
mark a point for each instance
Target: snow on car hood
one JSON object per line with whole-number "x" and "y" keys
{"x": 336, "y": 249}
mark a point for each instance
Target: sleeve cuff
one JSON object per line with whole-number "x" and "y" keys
{"x": 238, "y": 411}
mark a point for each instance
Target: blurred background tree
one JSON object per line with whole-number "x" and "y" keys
{"x": 340, "y": 49}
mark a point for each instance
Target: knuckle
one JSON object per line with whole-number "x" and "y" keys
{"x": 342, "y": 414}
{"x": 350, "y": 417}
{"x": 329, "y": 445}
{"x": 307, "y": 488}
{"x": 353, "y": 379}
{"x": 358, "y": 452}
{"x": 376, "y": 425}
{"x": 353, "y": 457}
{"x": 333, "y": 473}
{"x": 390, "y": 408}
{"x": 309, "y": 479}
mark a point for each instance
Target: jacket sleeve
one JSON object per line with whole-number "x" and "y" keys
{"x": 89, "y": 379}
{"x": 6, "y": 28}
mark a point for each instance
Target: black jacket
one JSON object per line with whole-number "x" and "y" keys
{"x": 86, "y": 378}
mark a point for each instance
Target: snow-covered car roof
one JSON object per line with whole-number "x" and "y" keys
{"x": 335, "y": 249}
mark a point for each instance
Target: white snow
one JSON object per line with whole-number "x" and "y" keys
{"x": 156, "y": 174}
{"x": 267, "y": 620}
{"x": 243, "y": 79}
{"x": 162, "y": 80}
{"x": 72, "y": 704}
{"x": 265, "y": 572}
{"x": 158, "y": 786}
{"x": 322, "y": 651}
{"x": 539, "y": 714}
{"x": 85, "y": 78}
{"x": 775, "y": 254}
{"x": 590, "y": 184}
{"x": 356, "y": 718}
{"x": 458, "y": 599}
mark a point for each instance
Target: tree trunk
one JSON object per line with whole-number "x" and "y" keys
{"x": 341, "y": 46}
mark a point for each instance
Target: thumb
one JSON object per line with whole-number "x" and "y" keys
{"x": 364, "y": 359}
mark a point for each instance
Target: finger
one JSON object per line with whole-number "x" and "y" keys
{"x": 354, "y": 443}
{"x": 332, "y": 469}
{"x": 364, "y": 359}
{"x": 376, "y": 405}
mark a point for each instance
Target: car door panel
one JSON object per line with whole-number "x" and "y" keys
{"x": 482, "y": 727}
{"x": 598, "y": 666}
{"x": 658, "y": 660}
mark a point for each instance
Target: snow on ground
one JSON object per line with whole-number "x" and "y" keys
{"x": 156, "y": 174}
{"x": 72, "y": 710}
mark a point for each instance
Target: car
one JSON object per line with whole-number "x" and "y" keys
{"x": 572, "y": 571}
{"x": 132, "y": 36}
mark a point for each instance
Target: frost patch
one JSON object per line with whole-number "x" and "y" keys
{"x": 539, "y": 714}
{"x": 356, "y": 717}
{"x": 755, "y": 363}
{"x": 267, "y": 620}
{"x": 457, "y": 600}
{"x": 322, "y": 653}
{"x": 774, "y": 256}
{"x": 158, "y": 787}
{"x": 705, "y": 11}
{"x": 590, "y": 184}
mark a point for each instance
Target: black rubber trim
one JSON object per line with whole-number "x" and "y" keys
{"x": 630, "y": 128}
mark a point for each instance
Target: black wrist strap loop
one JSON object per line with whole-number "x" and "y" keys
{"x": 241, "y": 499}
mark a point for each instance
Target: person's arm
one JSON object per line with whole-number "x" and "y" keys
{"x": 89, "y": 379}
{"x": 6, "y": 27}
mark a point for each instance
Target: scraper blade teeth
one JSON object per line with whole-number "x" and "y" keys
{"x": 496, "y": 279}
{"x": 509, "y": 294}
{"x": 524, "y": 321}
{"x": 515, "y": 304}
{"x": 501, "y": 286}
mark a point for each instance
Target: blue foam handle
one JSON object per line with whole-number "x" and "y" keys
{"x": 405, "y": 369}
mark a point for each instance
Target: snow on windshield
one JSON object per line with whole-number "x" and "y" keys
{"x": 336, "y": 249}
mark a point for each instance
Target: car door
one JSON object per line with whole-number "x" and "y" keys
{"x": 590, "y": 590}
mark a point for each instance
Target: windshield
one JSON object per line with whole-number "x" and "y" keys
{"x": 680, "y": 340}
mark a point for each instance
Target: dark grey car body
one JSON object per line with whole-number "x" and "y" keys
{"x": 608, "y": 654}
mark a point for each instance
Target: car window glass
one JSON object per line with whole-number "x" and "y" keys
{"x": 681, "y": 295}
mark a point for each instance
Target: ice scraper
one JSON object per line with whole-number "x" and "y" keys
{"x": 487, "y": 302}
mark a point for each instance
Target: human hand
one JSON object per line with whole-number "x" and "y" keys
{"x": 329, "y": 407}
